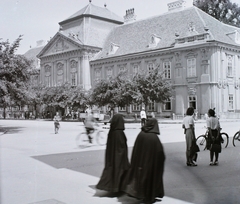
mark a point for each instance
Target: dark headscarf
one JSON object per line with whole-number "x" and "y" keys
{"x": 151, "y": 126}
{"x": 117, "y": 122}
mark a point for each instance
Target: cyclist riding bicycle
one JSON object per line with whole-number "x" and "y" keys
{"x": 89, "y": 125}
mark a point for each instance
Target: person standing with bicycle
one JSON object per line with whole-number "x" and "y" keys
{"x": 189, "y": 131}
{"x": 214, "y": 138}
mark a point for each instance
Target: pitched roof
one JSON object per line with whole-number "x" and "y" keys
{"x": 135, "y": 37}
{"x": 94, "y": 11}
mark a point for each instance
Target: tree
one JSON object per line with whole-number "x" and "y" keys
{"x": 141, "y": 89}
{"x": 115, "y": 92}
{"x": 14, "y": 74}
{"x": 151, "y": 87}
{"x": 223, "y": 10}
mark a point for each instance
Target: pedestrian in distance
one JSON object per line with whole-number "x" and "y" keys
{"x": 116, "y": 158}
{"x": 145, "y": 176}
{"x": 89, "y": 125}
{"x": 214, "y": 138}
{"x": 56, "y": 120}
{"x": 143, "y": 116}
{"x": 189, "y": 131}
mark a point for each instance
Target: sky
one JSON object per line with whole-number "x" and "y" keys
{"x": 38, "y": 19}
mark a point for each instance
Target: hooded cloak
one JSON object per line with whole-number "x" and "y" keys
{"x": 116, "y": 157}
{"x": 145, "y": 176}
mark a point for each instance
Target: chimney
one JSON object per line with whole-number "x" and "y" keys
{"x": 130, "y": 16}
{"x": 177, "y": 5}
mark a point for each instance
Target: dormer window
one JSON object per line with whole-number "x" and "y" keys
{"x": 154, "y": 41}
{"x": 235, "y": 35}
{"x": 113, "y": 48}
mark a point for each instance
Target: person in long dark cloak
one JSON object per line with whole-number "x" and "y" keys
{"x": 116, "y": 158}
{"x": 145, "y": 176}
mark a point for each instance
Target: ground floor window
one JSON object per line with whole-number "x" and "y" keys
{"x": 122, "y": 108}
{"x": 168, "y": 105}
{"x": 230, "y": 101}
{"x": 151, "y": 106}
{"x": 136, "y": 107}
{"x": 192, "y": 102}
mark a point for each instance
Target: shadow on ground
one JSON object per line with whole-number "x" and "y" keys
{"x": 10, "y": 130}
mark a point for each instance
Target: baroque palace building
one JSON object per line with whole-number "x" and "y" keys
{"x": 198, "y": 54}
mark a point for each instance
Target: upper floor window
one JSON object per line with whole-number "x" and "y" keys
{"x": 191, "y": 67}
{"x": 150, "y": 67}
{"x": 113, "y": 48}
{"x": 97, "y": 74}
{"x": 109, "y": 73}
{"x": 229, "y": 66}
{"x": 167, "y": 70}
{"x": 73, "y": 73}
{"x": 135, "y": 68}
{"x": 122, "y": 68}
{"x": 59, "y": 73}
{"x": 48, "y": 75}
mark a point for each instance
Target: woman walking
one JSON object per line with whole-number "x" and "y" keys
{"x": 145, "y": 177}
{"x": 188, "y": 125}
{"x": 116, "y": 158}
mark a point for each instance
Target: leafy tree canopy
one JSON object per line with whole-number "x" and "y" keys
{"x": 14, "y": 73}
{"x": 223, "y": 10}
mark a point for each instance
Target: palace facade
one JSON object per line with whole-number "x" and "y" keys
{"x": 198, "y": 54}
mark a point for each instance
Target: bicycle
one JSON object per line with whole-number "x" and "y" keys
{"x": 97, "y": 135}
{"x": 202, "y": 140}
{"x": 236, "y": 138}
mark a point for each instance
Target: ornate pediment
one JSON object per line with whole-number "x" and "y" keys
{"x": 59, "y": 44}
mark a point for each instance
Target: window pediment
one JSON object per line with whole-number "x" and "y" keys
{"x": 113, "y": 48}
{"x": 154, "y": 41}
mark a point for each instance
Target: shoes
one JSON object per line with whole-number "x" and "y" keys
{"x": 216, "y": 163}
{"x": 191, "y": 164}
{"x": 211, "y": 164}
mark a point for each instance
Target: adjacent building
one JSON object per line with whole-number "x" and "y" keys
{"x": 198, "y": 54}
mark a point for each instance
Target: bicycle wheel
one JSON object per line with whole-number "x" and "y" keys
{"x": 236, "y": 138}
{"x": 202, "y": 142}
{"x": 82, "y": 139}
{"x": 101, "y": 137}
{"x": 225, "y": 139}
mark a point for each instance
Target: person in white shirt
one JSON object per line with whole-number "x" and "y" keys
{"x": 143, "y": 116}
{"x": 214, "y": 136}
{"x": 56, "y": 120}
{"x": 188, "y": 126}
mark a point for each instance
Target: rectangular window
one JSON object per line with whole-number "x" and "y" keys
{"x": 192, "y": 101}
{"x": 121, "y": 69}
{"x": 151, "y": 107}
{"x": 47, "y": 81}
{"x": 109, "y": 73}
{"x": 230, "y": 101}
{"x": 135, "y": 69}
{"x": 150, "y": 67}
{"x": 168, "y": 105}
{"x": 191, "y": 67}
{"x": 229, "y": 66}
{"x": 122, "y": 109}
{"x": 167, "y": 70}
{"x": 136, "y": 107}
{"x": 74, "y": 79}
{"x": 97, "y": 74}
